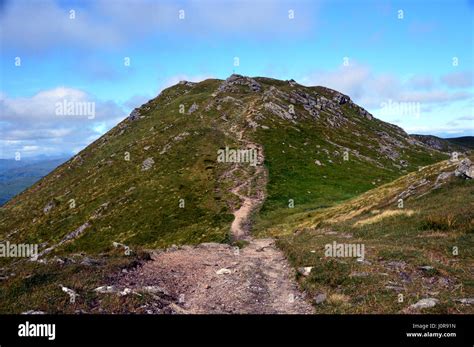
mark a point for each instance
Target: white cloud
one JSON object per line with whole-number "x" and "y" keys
{"x": 466, "y": 118}
{"x": 42, "y": 107}
{"x": 31, "y": 125}
{"x": 105, "y": 23}
{"x": 422, "y": 105}
{"x": 436, "y": 96}
{"x": 370, "y": 89}
{"x": 461, "y": 79}
{"x": 422, "y": 82}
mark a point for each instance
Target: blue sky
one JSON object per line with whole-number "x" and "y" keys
{"x": 408, "y": 62}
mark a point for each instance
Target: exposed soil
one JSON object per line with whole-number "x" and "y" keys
{"x": 219, "y": 278}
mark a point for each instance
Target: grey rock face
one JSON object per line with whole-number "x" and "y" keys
{"x": 134, "y": 115}
{"x": 309, "y": 102}
{"x": 341, "y": 99}
{"x": 231, "y": 84}
{"x": 187, "y": 83}
{"x": 442, "y": 177}
{"x": 278, "y": 110}
{"x": 366, "y": 114}
{"x": 389, "y": 151}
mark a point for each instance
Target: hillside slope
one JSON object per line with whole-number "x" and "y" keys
{"x": 323, "y": 169}
{"x": 155, "y": 180}
{"x": 417, "y": 248}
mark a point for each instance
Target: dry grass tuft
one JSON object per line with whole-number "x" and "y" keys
{"x": 385, "y": 214}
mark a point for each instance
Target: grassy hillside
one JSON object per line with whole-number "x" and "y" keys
{"x": 422, "y": 250}
{"x": 154, "y": 180}
{"x": 106, "y": 194}
{"x": 121, "y": 201}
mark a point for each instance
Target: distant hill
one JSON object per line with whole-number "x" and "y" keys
{"x": 16, "y": 176}
{"x": 446, "y": 145}
{"x": 463, "y": 141}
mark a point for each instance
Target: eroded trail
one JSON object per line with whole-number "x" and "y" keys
{"x": 251, "y": 193}
{"x": 219, "y": 278}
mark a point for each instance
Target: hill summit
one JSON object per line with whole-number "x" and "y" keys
{"x": 158, "y": 178}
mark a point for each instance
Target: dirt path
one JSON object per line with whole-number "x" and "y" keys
{"x": 251, "y": 194}
{"x": 219, "y": 278}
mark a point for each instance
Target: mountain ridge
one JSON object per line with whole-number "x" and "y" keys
{"x": 193, "y": 227}
{"x": 166, "y": 151}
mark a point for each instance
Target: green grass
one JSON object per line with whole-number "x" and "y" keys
{"x": 37, "y": 286}
{"x": 415, "y": 240}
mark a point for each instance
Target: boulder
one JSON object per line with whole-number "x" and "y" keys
{"x": 465, "y": 169}
{"x": 305, "y": 271}
{"x": 187, "y": 83}
{"x": 341, "y": 99}
{"x": 425, "y": 303}
{"x": 320, "y": 298}
{"x": 231, "y": 84}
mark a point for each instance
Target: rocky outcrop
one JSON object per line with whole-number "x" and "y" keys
{"x": 341, "y": 99}
{"x": 134, "y": 115}
{"x": 437, "y": 143}
{"x": 278, "y": 110}
{"x": 187, "y": 83}
{"x": 465, "y": 169}
{"x": 232, "y": 84}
